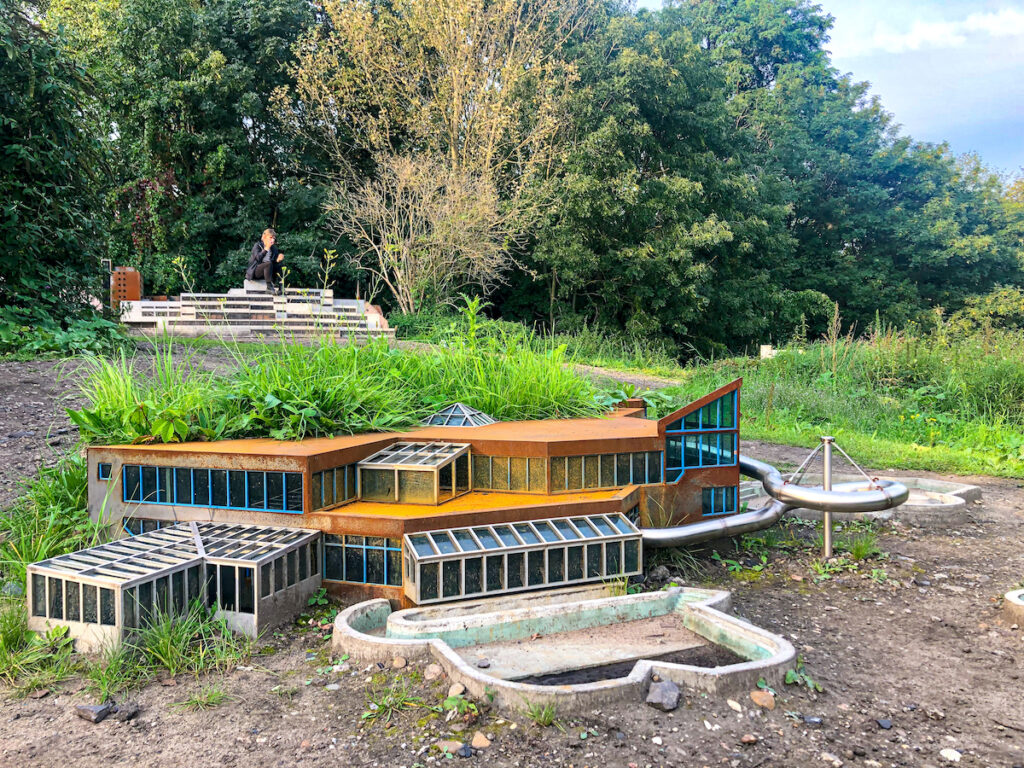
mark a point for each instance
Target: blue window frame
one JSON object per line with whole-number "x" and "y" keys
{"x": 705, "y": 437}
{"x": 718, "y": 501}
{"x": 334, "y": 486}
{"x": 103, "y": 471}
{"x": 363, "y": 559}
{"x": 216, "y": 488}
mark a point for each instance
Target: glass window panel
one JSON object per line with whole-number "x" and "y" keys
{"x": 415, "y": 487}
{"x": 566, "y": 530}
{"x": 163, "y": 599}
{"x": 495, "y": 572}
{"x": 194, "y": 583}
{"x": 350, "y": 481}
{"x": 692, "y": 420}
{"x": 591, "y": 472}
{"x": 691, "y": 451}
{"x": 518, "y": 475}
{"x": 593, "y": 560}
{"x": 584, "y": 527}
{"x": 445, "y": 478}
{"x": 201, "y": 487}
{"x": 465, "y": 540}
{"x": 574, "y": 563}
{"x": 507, "y": 537}
{"x": 145, "y": 602}
{"x": 538, "y": 475}
{"x": 303, "y": 562}
{"x": 329, "y": 487}
{"x": 38, "y": 594}
{"x": 558, "y": 473}
{"x": 377, "y": 484}
{"x": 474, "y": 575}
{"x": 546, "y": 531}
{"x": 727, "y": 441}
{"x": 620, "y": 523}
{"x": 707, "y": 504}
{"x": 72, "y": 602}
{"x": 375, "y": 566}
{"x": 428, "y": 581}
{"x": 149, "y": 483}
{"x": 293, "y": 567}
{"x": 56, "y": 598}
{"x": 107, "y": 615}
{"x": 236, "y": 489}
{"x": 654, "y": 467}
{"x": 132, "y": 479}
{"x": 674, "y": 426}
{"x": 421, "y": 545}
{"x": 481, "y": 471}
{"x": 556, "y": 565}
{"x": 165, "y": 481}
{"x": 603, "y": 526}
{"x": 709, "y": 450}
{"x": 359, "y": 540}
{"x": 709, "y": 416}
{"x": 612, "y": 558}
{"x": 639, "y": 461}
{"x": 499, "y": 473}
{"x": 486, "y": 538}
{"x": 182, "y": 486}
{"x": 275, "y": 490}
{"x": 730, "y": 499}
{"x": 622, "y": 476}
{"x": 265, "y": 588}
{"x": 462, "y": 473}
{"x": 218, "y": 488}
{"x": 227, "y": 588}
{"x": 394, "y": 564}
{"x": 450, "y": 578}
{"x": 632, "y": 559}
{"x": 535, "y": 568}
{"x": 246, "y": 591}
{"x": 526, "y": 533}
{"x": 728, "y": 410}
{"x": 149, "y": 525}
{"x": 257, "y": 489}
{"x": 607, "y": 462}
{"x": 674, "y": 451}
{"x": 314, "y": 558}
{"x": 178, "y": 591}
{"x": 293, "y": 491}
{"x": 355, "y": 563}
{"x": 516, "y": 568}
{"x": 574, "y": 473}
{"x": 318, "y": 490}
{"x": 211, "y": 585}
{"x": 131, "y": 607}
{"x": 444, "y": 543}
{"x": 334, "y": 563}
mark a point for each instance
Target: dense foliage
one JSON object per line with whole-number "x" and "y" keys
{"x": 713, "y": 183}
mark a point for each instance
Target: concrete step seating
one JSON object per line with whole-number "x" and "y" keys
{"x": 252, "y": 312}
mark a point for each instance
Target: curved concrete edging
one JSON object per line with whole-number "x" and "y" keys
{"x": 1013, "y": 605}
{"x": 701, "y": 616}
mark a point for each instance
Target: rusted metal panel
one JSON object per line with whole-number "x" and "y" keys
{"x": 680, "y": 503}
{"x": 350, "y": 592}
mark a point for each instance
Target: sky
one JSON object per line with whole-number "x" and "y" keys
{"x": 948, "y": 70}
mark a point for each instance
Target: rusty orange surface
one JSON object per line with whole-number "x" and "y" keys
{"x": 267, "y": 447}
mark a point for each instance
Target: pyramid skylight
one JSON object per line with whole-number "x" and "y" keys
{"x": 459, "y": 415}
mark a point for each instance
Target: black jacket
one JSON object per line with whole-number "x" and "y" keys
{"x": 260, "y": 255}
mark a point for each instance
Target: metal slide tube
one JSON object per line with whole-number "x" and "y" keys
{"x": 856, "y": 496}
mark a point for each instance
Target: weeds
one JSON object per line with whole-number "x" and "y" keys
{"x": 543, "y": 715}
{"x": 798, "y": 676}
{"x": 207, "y": 697}
{"x": 194, "y": 643}
{"x": 384, "y": 702}
{"x": 30, "y": 661}
{"x": 120, "y": 668}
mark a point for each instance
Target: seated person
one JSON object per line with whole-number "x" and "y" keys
{"x": 265, "y": 262}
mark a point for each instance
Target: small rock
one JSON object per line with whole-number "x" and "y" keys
{"x": 332, "y": 687}
{"x": 828, "y": 757}
{"x": 661, "y": 573}
{"x": 884, "y": 723}
{"x": 457, "y": 689}
{"x": 125, "y": 711}
{"x": 813, "y": 720}
{"x": 464, "y": 751}
{"x": 480, "y": 741}
{"x": 432, "y": 672}
{"x": 663, "y": 696}
{"x": 950, "y": 754}
{"x": 748, "y": 738}
{"x": 483, "y": 664}
{"x": 451, "y": 747}
{"x": 94, "y": 713}
{"x": 23, "y": 433}
{"x": 39, "y": 693}
{"x": 763, "y": 699}
{"x": 657, "y": 741}
{"x": 398, "y": 662}
{"x": 306, "y": 744}
{"x": 734, "y": 705}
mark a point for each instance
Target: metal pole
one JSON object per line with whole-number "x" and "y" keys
{"x": 826, "y": 484}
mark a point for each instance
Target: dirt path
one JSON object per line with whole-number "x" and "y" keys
{"x": 927, "y": 653}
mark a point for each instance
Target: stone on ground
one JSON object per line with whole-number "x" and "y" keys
{"x": 457, "y": 689}
{"x": 398, "y": 662}
{"x": 763, "y": 699}
{"x": 663, "y": 696}
{"x": 94, "y": 713}
{"x": 480, "y": 741}
{"x": 432, "y": 672}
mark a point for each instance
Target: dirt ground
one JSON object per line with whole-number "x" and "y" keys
{"x": 927, "y": 653}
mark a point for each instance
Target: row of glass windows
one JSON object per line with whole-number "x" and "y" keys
{"x": 469, "y": 576}
{"x": 71, "y": 601}
{"x": 415, "y": 486}
{"x": 608, "y": 470}
{"x": 363, "y": 559}
{"x": 718, "y": 501}
{"x": 134, "y": 526}
{"x": 166, "y": 595}
{"x": 509, "y": 473}
{"x": 333, "y": 486}
{"x": 718, "y": 414}
{"x": 709, "y": 449}
{"x": 299, "y": 564}
{"x": 224, "y": 488}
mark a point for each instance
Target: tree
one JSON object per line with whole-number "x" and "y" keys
{"x": 52, "y": 168}
{"x": 473, "y": 89}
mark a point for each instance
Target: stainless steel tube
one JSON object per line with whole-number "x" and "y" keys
{"x": 856, "y": 496}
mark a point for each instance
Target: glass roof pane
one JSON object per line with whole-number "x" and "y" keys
{"x": 566, "y": 530}
{"x": 415, "y": 454}
{"x": 603, "y": 526}
{"x": 546, "y": 530}
{"x": 443, "y": 542}
{"x": 585, "y": 528}
{"x": 486, "y": 538}
{"x": 527, "y": 534}
{"x": 421, "y": 545}
{"x": 465, "y": 540}
{"x": 459, "y": 415}
{"x": 507, "y": 537}
{"x": 621, "y": 523}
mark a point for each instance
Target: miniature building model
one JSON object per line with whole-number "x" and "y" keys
{"x": 464, "y": 506}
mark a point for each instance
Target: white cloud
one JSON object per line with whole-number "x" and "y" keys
{"x": 925, "y": 34}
